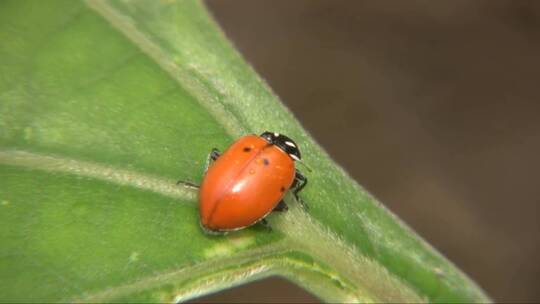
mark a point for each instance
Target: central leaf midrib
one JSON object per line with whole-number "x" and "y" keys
{"x": 185, "y": 77}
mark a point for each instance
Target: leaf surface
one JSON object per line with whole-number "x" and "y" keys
{"x": 104, "y": 105}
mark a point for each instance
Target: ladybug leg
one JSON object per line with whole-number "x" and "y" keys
{"x": 300, "y": 181}
{"x": 188, "y": 184}
{"x": 265, "y": 224}
{"x": 214, "y": 154}
{"x": 281, "y": 206}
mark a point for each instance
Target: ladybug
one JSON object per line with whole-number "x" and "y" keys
{"x": 248, "y": 181}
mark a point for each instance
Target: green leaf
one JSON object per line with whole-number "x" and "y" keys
{"x": 104, "y": 105}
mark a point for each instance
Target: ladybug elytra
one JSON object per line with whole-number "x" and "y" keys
{"x": 248, "y": 181}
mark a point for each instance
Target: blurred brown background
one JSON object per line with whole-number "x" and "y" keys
{"x": 433, "y": 106}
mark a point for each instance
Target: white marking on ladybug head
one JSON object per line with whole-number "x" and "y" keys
{"x": 294, "y": 157}
{"x": 290, "y": 144}
{"x": 276, "y": 134}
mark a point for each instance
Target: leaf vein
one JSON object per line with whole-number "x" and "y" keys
{"x": 125, "y": 177}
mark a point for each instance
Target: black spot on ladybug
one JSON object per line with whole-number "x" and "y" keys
{"x": 266, "y": 162}
{"x": 247, "y": 149}
{"x": 282, "y": 189}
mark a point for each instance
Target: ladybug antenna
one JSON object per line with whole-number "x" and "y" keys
{"x": 304, "y": 165}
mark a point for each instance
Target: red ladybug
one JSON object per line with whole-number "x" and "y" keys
{"x": 248, "y": 181}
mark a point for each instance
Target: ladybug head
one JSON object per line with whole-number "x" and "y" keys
{"x": 284, "y": 143}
